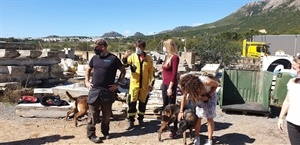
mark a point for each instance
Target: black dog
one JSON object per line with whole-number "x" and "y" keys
{"x": 188, "y": 122}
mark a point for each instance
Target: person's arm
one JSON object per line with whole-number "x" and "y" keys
{"x": 214, "y": 85}
{"x": 182, "y": 104}
{"x": 88, "y": 84}
{"x": 284, "y": 109}
{"x": 151, "y": 75}
{"x": 125, "y": 58}
{"x": 122, "y": 74}
{"x": 174, "y": 63}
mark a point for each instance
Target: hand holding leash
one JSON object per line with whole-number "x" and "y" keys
{"x": 180, "y": 116}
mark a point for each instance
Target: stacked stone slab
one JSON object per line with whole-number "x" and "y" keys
{"x": 23, "y": 63}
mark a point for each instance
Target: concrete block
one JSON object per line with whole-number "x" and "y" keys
{"x": 29, "y": 61}
{"x": 73, "y": 89}
{"x": 189, "y": 57}
{"x": 42, "y": 91}
{"x": 15, "y": 70}
{"x": 157, "y": 85}
{"x": 4, "y": 78}
{"x": 30, "y": 53}
{"x": 4, "y": 70}
{"x": 12, "y": 53}
{"x": 210, "y": 69}
{"x": 39, "y": 111}
{"x": 11, "y": 85}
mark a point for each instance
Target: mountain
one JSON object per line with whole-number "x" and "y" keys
{"x": 275, "y": 16}
{"x": 138, "y": 34}
{"x": 112, "y": 34}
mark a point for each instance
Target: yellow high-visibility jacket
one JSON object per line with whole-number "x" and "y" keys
{"x": 141, "y": 76}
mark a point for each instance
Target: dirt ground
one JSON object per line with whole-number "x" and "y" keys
{"x": 233, "y": 129}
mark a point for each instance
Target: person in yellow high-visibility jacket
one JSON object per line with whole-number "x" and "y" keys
{"x": 141, "y": 82}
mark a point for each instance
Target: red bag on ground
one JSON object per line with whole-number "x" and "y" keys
{"x": 29, "y": 99}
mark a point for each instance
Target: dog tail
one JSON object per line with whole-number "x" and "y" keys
{"x": 70, "y": 96}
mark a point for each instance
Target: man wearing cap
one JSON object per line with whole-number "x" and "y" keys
{"x": 141, "y": 82}
{"x": 102, "y": 88}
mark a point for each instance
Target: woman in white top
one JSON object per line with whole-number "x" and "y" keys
{"x": 202, "y": 93}
{"x": 291, "y": 105}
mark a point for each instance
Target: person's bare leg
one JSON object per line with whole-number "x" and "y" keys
{"x": 197, "y": 131}
{"x": 210, "y": 127}
{"x": 197, "y": 127}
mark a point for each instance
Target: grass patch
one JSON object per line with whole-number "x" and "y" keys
{"x": 13, "y": 94}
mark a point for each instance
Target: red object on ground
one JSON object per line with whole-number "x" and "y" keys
{"x": 31, "y": 99}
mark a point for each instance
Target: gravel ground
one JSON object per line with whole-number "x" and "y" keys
{"x": 233, "y": 129}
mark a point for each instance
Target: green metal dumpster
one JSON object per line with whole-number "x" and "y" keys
{"x": 245, "y": 90}
{"x": 280, "y": 89}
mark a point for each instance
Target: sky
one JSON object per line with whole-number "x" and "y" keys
{"x": 41, "y": 18}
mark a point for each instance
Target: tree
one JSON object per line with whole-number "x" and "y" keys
{"x": 217, "y": 49}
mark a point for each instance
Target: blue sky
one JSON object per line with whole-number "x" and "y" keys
{"x": 40, "y": 18}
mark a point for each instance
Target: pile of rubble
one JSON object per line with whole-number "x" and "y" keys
{"x": 23, "y": 64}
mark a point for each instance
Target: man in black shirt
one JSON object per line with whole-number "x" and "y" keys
{"x": 102, "y": 88}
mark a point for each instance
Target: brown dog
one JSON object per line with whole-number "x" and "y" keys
{"x": 80, "y": 107}
{"x": 169, "y": 115}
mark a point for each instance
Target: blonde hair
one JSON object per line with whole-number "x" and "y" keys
{"x": 297, "y": 61}
{"x": 171, "y": 48}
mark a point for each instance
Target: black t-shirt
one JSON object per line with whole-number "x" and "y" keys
{"x": 105, "y": 69}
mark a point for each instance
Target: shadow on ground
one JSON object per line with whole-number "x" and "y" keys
{"x": 151, "y": 127}
{"x": 218, "y": 126}
{"x": 38, "y": 141}
{"x": 233, "y": 139}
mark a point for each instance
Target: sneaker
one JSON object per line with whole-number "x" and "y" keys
{"x": 208, "y": 142}
{"x": 197, "y": 140}
{"x": 95, "y": 139}
{"x": 130, "y": 125}
{"x": 141, "y": 123}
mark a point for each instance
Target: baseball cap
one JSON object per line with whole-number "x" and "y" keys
{"x": 99, "y": 42}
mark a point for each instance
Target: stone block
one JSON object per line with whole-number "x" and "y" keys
{"x": 11, "y": 85}
{"x": 4, "y": 78}
{"x": 39, "y": 111}
{"x": 29, "y": 61}
{"x": 30, "y": 53}
{"x": 4, "y": 70}
{"x": 73, "y": 89}
{"x": 16, "y": 70}
{"x": 5, "y": 53}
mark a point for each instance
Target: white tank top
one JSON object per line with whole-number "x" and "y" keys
{"x": 294, "y": 100}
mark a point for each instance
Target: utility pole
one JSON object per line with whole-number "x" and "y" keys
{"x": 87, "y": 49}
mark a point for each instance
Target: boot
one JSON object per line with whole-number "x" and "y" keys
{"x": 130, "y": 125}
{"x": 141, "y": 123}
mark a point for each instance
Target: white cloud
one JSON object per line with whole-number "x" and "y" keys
{"x": 151, "y": 33}
{"x": 127, "y": 33}
{"x": 197, "y": 24}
